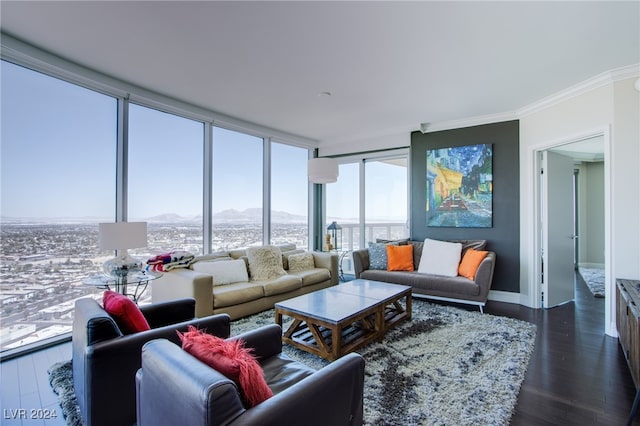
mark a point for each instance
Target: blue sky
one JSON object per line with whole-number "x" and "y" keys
{"x": 58, "y": 157}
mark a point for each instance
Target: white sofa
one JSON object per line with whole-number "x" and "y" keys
{"x": 242, "y": 298}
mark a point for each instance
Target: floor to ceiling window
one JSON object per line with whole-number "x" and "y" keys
{"x": 237, "y": 190}
{"x": 165, "y": 180}
{"x": 62, "y": 157}
{"x": 343, "y": 207}
{"x": 386, "y": 202}
{"x": 380, "y": 183}
{"x": 289, "y": 195}
{"x": 58, "y": 182}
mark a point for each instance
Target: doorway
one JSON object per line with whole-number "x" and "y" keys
{"x": 584, "y": 238}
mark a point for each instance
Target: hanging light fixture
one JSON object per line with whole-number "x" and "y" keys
{"x": 322, "y": 170}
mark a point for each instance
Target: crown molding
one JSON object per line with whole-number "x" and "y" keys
{"x": 600, "y": 80}
{"x": 472, "y": 121}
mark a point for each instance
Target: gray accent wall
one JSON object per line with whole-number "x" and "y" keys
{"x": 504, "y": 237}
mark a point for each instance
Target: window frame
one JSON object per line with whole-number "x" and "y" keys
{"x": 22, "y": 54}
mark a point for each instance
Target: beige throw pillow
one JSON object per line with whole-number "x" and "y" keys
{"x": 440, "y": 258}
{"x": 301, "y": 262}
{"x": 265, "y": 262}
{"x": 224, "y": 272}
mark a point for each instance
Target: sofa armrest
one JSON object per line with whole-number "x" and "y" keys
{"x": 265, "y": 341}
{"x": 360, "y": 261}
{"x": 331, "y": 396}
{"x": 484, "y": 274}
{"x": 111, "y": 365}
{"x": 167, "y": 313}
{"x": 185, "y": 283}
{"x": 174, "y": 388}
{"x": 328, "y": 261}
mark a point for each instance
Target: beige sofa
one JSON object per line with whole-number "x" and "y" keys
{"x": 239, "y": 299}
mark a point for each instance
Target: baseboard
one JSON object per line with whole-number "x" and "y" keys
{"x": 504, "y": 296}
{"x": 591, "y": 265}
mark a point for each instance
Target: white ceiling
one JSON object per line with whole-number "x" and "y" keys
{"x": 389, "y": 66}
{"x": 588, "y": 150}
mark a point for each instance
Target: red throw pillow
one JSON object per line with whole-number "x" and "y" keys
{"x": 126, "y": 313}
{"x": 230, "y": 358}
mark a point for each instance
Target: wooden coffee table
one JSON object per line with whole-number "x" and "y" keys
{"x": 340, "y": 319}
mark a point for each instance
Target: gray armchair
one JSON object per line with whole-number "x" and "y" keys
{"x": 105, "y": 361}
{"x": 175, "y": 388}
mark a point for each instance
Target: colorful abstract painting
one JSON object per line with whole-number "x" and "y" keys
{"x": 460, "y": 186}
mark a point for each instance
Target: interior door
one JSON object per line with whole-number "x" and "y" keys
{"x": 557, "y": 229}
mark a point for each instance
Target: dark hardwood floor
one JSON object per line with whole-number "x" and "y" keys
{"x": 577, "y": 375}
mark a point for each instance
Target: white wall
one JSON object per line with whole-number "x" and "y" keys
{"x": 625, "y": 170}
{"x": 614, "y": 108}
{"x": 591, "y": 211}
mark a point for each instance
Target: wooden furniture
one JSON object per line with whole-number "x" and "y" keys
{"x": 628, "y": 323}
{"x": 335, "y": 321}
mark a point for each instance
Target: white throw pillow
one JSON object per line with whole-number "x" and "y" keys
{"x": 301, "y": 262}
{"x": 265, "y": 262}
{"x": 224, "y": 272}
{"x": 440, "y": 258}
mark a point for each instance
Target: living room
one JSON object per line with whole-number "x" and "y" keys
{"x": 307, "y": 77}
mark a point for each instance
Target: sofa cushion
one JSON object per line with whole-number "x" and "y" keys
{"x": 279, "y": 285}
{"x": 378, "y": 256}
{"x": 400, "y": 242}
{"x": 301, "y": 262}
{"x": 273, "y": 367}
{"x": 417, "y": 253}
{"x": 285, "y": 257}
{"x": 265, "y": 262}
{"x": 230, "y": 358}
{"x": 440, "y": 258}
{"x": 212, "y": 256}
{"x": 312, "y": 276}
{"x": 236, "y": 293}
{"x": 470, "y": 262}
{"x": 124, "y": 312}
{"x": 399, "y": 258}
{"x": 435, "y": 285}
{"x": 474, "y": 244}
{"x": 224, "y": 272}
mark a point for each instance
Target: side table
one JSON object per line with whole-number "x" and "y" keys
{"x": 341, "y": 255}
{"x": 138, "y": 279}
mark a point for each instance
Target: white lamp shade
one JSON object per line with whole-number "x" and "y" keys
{"x": 122, "y": 235}
{"x": 322, "y": 170}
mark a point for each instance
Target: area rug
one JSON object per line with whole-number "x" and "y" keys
{"x": 594, "y": 278}
{"x": 61, "y": 381}
{"x": 446, "y": 366}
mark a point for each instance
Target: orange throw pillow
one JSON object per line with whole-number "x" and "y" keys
{"x": 399, "y": 258}
{"x": 470, "y": 263}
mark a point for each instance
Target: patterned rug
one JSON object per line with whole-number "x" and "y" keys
{"x": 446, "y": 366}
{"x": 594, "y": 278}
